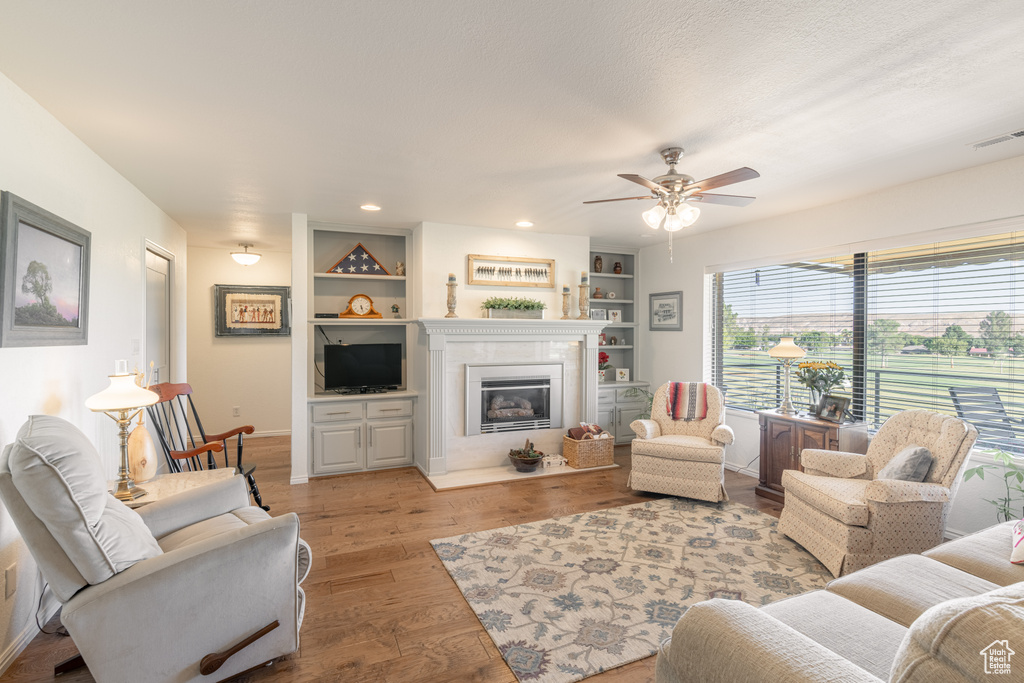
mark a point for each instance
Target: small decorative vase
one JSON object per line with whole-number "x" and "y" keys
{"x": 618, "y": 268}
{"x": 598, "y": 264}
{"x": 600, "y": 375}
{"x": 598, "y": 294}
{"x": 815, "y": 401}
{"x": 607, "y": 375}
{"x": 142, "y": 460}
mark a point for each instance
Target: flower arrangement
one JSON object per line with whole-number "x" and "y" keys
{"x": 602, "y": 361}
{"x": 820, "y": 376}
{"x": 518, "y": 303}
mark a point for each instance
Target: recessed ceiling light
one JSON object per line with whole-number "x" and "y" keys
{"x": 524, "y": 224}
{"x": 370, "y": 207}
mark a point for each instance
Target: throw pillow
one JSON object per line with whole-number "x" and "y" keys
{"x": 910, "y": 464}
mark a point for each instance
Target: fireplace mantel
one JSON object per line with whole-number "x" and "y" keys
{"x": 441, "y": 333}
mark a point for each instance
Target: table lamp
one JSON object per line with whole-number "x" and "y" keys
{"x": 118, "y": 400}
{"x": 786, "y": 351}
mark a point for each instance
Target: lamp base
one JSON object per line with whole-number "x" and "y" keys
{"x": 127, "y": 490}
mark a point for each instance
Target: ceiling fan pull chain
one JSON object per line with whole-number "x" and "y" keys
{"x": 670, "y": 247}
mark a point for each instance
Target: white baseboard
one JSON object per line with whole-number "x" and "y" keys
{"x": 298, "y": 480}
{"x": 18, "y": 645}
{"x": 742, "y": 470}
{"x": 279, "y": 432}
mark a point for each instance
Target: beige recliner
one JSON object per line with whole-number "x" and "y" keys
{"x": 680, "y": 457}
{"x": 147, "y": 595}
{"x": 842, "y": 514}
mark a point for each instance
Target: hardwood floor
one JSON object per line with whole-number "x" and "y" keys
{"x": 379, "y": 604}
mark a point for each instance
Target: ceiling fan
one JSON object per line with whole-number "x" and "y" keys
{"x": 677, "y": 193}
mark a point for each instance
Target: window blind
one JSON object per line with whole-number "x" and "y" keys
{"x": 809, "y": 300}
{"x": 941, "y": 320}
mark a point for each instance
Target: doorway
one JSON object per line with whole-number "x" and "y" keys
{"x": 158, "y": 313}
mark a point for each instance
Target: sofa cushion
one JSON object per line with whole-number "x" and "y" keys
{"x": 985, "y": 554}
{"x": 966, "y": 639}
{"x": 867, "y": 639}
{"x": 910, "y": 464}
{"x": 842, "y": 499}
{"x": 58, "y": 473}
{"x": 902, "y": 588}
{"x": 221, "y": 524}
{"x": 679, "y": 447}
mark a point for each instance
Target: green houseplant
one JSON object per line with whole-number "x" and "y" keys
{"x": 513, "y": 307}
{"x": 1011, "y": 469}
{"x": 525, "y": 459}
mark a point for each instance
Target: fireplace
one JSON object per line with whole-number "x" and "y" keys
{"x": 509, "y": 398}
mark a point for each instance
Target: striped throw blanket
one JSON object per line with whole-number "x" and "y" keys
{"x": 687, "y": 400}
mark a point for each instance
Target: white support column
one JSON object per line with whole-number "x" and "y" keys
{"x": 589, "y": 383}
{"x": 436, "y": 401}
{"x": 299, "y": 340}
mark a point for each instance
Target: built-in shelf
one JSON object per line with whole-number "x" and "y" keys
{"x": 357, "y": 276}
{"x": 620, "y": 325}
{"x": 620, "y": 275}
{"x": 611, "y": 301}
{"x": 332, "y": 396}
{"x": 605, "y": 347}
{"x": 360, "y": 321}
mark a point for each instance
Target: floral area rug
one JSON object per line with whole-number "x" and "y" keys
{"x": 573, "y": 596}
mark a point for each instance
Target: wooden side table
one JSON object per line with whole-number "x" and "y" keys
{"x": 784, "y": 436}
{"x": 165, "y": 485}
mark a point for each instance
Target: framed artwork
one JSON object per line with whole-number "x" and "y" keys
{"x": 247, "y": 310}
{"x": 833, "y": 407}
{"x": 598, "y": 314}
{"x": 601, "y": 339}
{"x": 615, "y": 315}
{"x": 666, "y": 311}
{"x": 510, "y": 271}
{"x": 622, "y": 375}
{"x": 44, "y": 277}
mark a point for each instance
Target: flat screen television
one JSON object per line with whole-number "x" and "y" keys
{"x": 359, "y": 367}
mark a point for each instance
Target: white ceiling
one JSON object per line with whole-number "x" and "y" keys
{"x": 230, "y": 115}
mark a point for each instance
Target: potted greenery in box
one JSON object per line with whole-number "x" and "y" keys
{"x": 513, "y": 307}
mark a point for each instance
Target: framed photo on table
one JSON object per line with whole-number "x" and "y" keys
{"x": 44, "y": 277}
{"x": 615, "y": 315}
{"x": 833, "y": 407}
{"x": 666, "y": 311}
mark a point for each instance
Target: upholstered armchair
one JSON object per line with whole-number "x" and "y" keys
{"x": 842, "y": 513}
{"x": 162, "y": 594}
{"x": 681, "y": 457}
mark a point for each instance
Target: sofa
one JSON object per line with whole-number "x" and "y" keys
{"x": 952, "y": 613}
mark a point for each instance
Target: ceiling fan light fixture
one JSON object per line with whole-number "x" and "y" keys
{"x": 672, "y": 220}
{"x": 688, "y": 214}
{"x": 245, "y": 257}
{"x": 653, "y": 216}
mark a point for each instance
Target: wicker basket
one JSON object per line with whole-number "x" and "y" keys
{"x": 589, "y": 452}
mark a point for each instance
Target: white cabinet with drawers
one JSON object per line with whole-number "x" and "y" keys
{"x": 616, "y": 408}
{"x": 352, "y": 434}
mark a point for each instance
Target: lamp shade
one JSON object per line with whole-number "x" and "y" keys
{"x": 122, "y": 394}
{"x": 786, "y": 349}
{"x": 653, "y": 216}
{"x": 245, "y": 257}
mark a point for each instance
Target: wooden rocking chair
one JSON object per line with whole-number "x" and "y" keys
{"x": 184, "y": 441}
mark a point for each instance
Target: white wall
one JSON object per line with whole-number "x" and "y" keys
{"x": 443, "y": 249}
{"x": 253, "y": 373}
{"x": 982, "y": 199}
{"x": 45, "y": 164}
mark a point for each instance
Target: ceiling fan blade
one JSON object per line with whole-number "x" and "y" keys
{"x": 640, "y": 180}
{"x": 736, "y": 176}
{"x": 620, "y": 199}
{"x": 726, "y": 199}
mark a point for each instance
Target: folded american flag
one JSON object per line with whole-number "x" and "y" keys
{"x": 687, "y": 400}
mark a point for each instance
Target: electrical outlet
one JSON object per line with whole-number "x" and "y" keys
{"x": 236, "y": 412}
{"x": 10, "y": 580}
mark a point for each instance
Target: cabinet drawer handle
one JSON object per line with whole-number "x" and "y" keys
{"x": 359, "y": 438}
{"x": 341, "y": 413}
{"x": 388, "y": 410}
{"x": 369, "y": 437}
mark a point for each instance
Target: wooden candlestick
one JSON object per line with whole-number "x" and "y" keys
{"x": 451, "y": 299}
{"x": 565, "y": 305}
{"x": 584, "y": 303}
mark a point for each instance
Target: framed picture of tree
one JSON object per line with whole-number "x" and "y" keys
{"x": 44, "y": 277}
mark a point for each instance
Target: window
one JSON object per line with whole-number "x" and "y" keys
{"x": 915, "y": 327}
